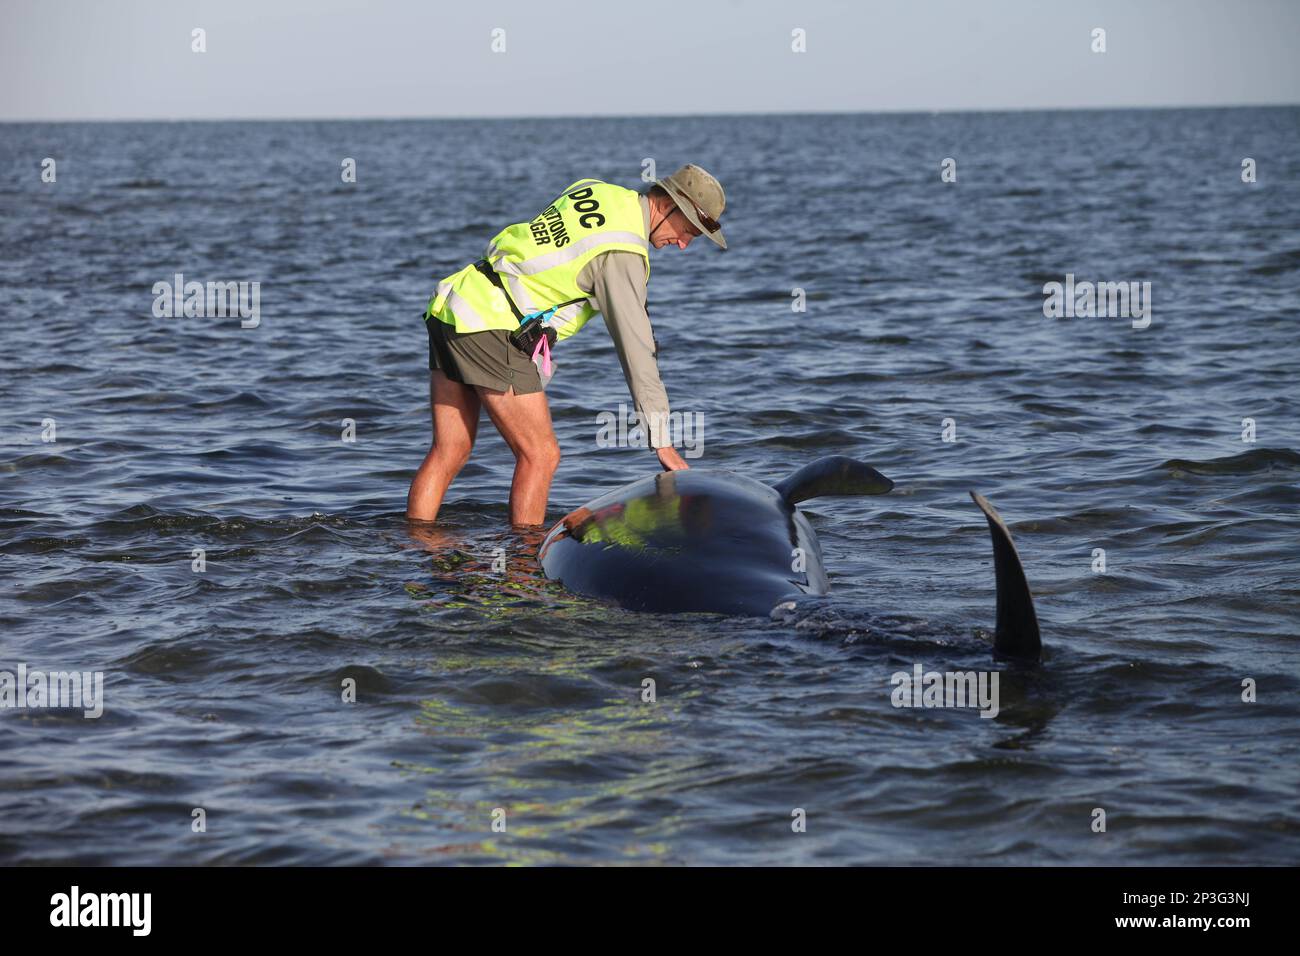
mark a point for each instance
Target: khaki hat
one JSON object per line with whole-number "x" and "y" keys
{"x": 695, "y": 192}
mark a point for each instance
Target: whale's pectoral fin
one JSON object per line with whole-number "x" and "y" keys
{"x": 836, "y": 475}
{"x": 1017, "y": 635}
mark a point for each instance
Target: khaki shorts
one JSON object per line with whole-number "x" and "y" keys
{"x": 481, "y": 358}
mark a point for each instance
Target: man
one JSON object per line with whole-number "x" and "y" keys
{"x": 492, "y": 323}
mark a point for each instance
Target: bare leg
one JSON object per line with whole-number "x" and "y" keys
{"x": 455, "y": 423}
{"x": 524, "y": 421}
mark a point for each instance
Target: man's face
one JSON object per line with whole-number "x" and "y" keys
{"x": 676, "y": 230}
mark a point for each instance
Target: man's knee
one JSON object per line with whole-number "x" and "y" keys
{"x": 453, "y": 451}
{"x": 545, "y": 455}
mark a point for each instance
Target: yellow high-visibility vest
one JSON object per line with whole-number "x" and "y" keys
{"x": 537, "y": 263}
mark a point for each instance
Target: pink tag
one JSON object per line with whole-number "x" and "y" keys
{"x": 544, "y": 346}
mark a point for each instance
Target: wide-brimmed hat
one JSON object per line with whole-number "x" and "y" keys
{"x": 700, "y": 198}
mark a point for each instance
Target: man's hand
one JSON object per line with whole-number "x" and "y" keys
{"x": 670, "y": 460}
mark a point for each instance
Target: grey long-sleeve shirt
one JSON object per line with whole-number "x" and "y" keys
{"x": 616, "y": 282}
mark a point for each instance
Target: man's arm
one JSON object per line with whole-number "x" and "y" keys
{"x": 618, "y": 286}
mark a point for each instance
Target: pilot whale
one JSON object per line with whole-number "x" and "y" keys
{"x": 697, "y": 540}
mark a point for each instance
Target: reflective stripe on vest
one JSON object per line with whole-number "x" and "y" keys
{"x": 539, "y": 262}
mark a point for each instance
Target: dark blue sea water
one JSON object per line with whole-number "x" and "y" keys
{"x": 478, "y": 690}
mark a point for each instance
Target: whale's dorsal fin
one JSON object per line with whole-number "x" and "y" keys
{"x": 836, "y": 475}
{"x": 1017, "y": 635}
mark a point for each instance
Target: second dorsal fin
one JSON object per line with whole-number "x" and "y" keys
{"x": 834, "y": 475}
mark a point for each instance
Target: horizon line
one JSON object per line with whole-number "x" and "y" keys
{"x": 632, "y": 116}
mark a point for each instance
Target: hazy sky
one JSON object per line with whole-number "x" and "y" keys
{"x": 96, "y": 59}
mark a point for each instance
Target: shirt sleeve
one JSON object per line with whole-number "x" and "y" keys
{"x": 618, "y": 287}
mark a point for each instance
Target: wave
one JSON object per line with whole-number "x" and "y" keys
{"x": 145, "y": 518}
{"x": 1279, "y": 263}
{"x": 1247, "y": 463}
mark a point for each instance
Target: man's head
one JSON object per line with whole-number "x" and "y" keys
{"x": 685, "y": 205}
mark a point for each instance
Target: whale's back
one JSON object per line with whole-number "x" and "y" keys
{"x": 690, "y": 540}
